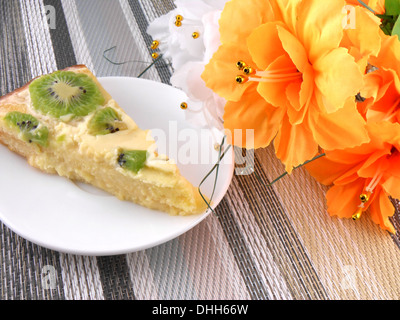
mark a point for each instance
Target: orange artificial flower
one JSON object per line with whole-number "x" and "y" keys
{"x": 382, "y": 86}
{"x": 377, "y": 5}
{"x": 363, "y": 177}
{"x": 299, "y": 84}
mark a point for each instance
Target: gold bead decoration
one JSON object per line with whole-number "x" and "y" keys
{"x": 155, "y": 44}
{"x": 357, "y": 215}
{"x": 178, "y": 20}
{"x": 364, "y": 198}
{"x": 217, "y": 147}
{"x": 154, "y": 55}
{"x": 240, "y": 65}
{"x": 195, "y": 35}
{"x": 241, "y": 79}
{"x": 248, "y": 70}
{"x": 184, "y": 105}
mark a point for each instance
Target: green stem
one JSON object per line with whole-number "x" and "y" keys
{"x": 152, "y": 64}
{"x": 284, "y": 174}
{"x": 216, "y": 168}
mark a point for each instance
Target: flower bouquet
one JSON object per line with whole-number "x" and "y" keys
{"x": 317, "y": 79}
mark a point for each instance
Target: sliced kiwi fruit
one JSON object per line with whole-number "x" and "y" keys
{"x": 29, "y": 127}
{"x": 132, "y": 160}
{"x": 65, "y": 94}
{"x": 106, "y": 121}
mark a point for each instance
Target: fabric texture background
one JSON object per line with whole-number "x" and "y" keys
{"x": 264, "y": 243}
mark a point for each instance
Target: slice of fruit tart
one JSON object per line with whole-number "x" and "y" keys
{"x": 65, "y": 123}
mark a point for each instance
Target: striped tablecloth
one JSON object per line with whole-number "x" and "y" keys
{"x": 268, "y": 243}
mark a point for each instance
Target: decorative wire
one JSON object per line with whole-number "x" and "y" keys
{"x": 286, "y": 173}
{"x": 129, "y": 61}
{"x": 216, "y": 168}
{"x": 366, "y": 6}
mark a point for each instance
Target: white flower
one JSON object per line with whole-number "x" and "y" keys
{"x": 205, "y": 108}
{"x": 189, "y": 41}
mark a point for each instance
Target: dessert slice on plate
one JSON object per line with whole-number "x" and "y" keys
{"x": 65, "y": 123}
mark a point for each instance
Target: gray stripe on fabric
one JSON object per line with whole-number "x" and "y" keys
{"x": 14, "y": 64}
{"x": 26, "y": 268}
{"x": 106, "y": 29}
{"x": 142, "y": 22}
{"x": 277, "y": 229}
{"x": 171, "y": 276}
{"x": 115, "y": 278}
{"x": 61, "y": 40}
{"x": 157, "y": 7}
{"x": 21, "y": 262}
{"x": 241, "y": 252}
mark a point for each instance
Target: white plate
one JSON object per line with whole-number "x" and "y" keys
{"x": 61, "y": 215}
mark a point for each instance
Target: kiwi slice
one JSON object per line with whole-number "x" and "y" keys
{"x": 29, "y": 127}
{"x": 132, "y": 160}
{"x": 106, "y": 121}
{"x": 65, "y": 93}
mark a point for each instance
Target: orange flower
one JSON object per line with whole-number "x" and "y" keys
{"x": 382, "y": 86}
{"x": 363, "y": 177}
{"x": 299, "y": 83}
{"x": 377, "y": 5}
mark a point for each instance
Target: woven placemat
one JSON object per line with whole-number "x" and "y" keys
{"x": 263, "y": 243}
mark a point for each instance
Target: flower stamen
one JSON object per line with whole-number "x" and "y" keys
{"x": 272, "y": 76}
{"x": 366, "y": 195}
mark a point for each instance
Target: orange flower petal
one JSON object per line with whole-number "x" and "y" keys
{"x": 252, "y": 113}
{"x": 319, "y": 26}
{"x": 326, "y": 171}
{"x": 391, "y": 186}
{"x": 240, "y": 17}
{"x": 294, "y": 48}
{"x": 331, "y": 132}
{"x": 330, "y": 80}
{"x": 381, "y": 209}
{"x": 265, "y": 45}
{"x": 274, "y": 92}
{"x": 295, "y": 112}
{"x": 385, "y": 132}
{"x": 294, "y": 144}
{"x": 343, "y": 200}
{"x": 389, "y": 55}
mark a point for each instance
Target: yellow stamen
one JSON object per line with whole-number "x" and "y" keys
{"x": 272, "y": 76}
{"x": 357, "y": 215}
{"x": 365, "y": 197}
{"x": 241, "y": 79}
{"x": 155, "y": 44}
{"x": 241, "y": 65}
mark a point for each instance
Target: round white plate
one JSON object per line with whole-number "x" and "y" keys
{"x": 75, "y": 218}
